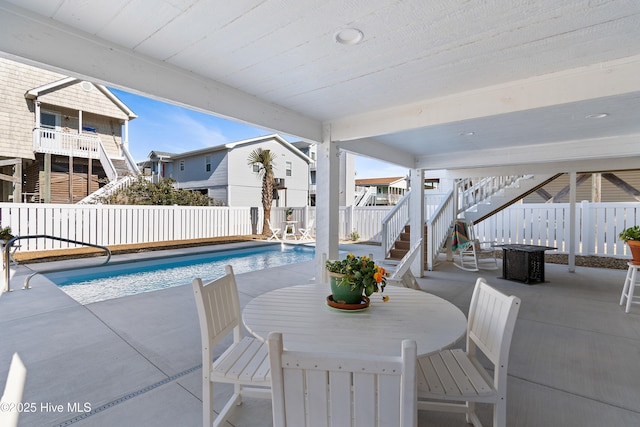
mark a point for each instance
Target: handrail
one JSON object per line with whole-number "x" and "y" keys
{"x": 438, "y": 228}
{"x": 9, "y": 244}
{"x": 393, "y": 223}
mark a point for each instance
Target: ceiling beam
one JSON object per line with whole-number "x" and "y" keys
{"x": 584, "y": 83}
{"x": 369, "y": 147}
{"x": 33, "y": 39}
{"x": 529, "y": 157}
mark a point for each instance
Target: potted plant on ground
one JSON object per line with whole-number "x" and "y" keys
{"x": 631, "y": 236}
{"x": 353, "y": 276}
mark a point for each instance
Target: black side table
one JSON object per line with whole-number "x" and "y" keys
{"x": 524, "y": 263}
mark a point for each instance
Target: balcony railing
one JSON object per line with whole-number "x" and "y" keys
{"x": 66, "y": 143}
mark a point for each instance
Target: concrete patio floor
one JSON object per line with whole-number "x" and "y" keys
{"x": 136, "y": 360}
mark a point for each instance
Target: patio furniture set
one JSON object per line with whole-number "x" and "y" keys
{"x": 355, "y": 367}
{"x": 288, "y": 231}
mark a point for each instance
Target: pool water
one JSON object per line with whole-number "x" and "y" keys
{"x": 87, "y": 285}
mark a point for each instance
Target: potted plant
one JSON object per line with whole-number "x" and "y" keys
{"x": 353, "y": 276}
{"x": 631, "y": 236}
{"x": 5, "y": 234}
{"x": 289, "y": 213}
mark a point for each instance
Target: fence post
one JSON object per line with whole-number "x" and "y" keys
{"x": 254, "y": 220}
{"x": 587, "y": 230}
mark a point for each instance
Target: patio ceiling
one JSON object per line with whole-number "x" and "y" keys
{"x": 434, "y": 85}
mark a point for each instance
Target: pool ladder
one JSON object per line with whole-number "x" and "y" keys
{"x": 7, "y": 258}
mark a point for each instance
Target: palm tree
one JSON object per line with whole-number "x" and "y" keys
{"x": 264, "y": 160}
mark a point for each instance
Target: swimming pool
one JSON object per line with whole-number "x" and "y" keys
{"x": 87, "y": 285}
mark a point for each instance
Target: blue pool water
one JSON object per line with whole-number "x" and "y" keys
{"x": 115, "y": 280}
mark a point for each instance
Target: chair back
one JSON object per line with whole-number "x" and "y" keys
{"x": 492, "y": 319}
{"x": 462, "y": 235}
{"x": 342, "y": 389}
{"x": 218, "y": 307}
{"x": 12, "y": 395}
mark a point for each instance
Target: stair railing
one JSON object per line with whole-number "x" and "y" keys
{"x": 438, "y": 226}
{"x": 107, "y": 164}
{"x": 133, "y": 166}
{"x": 393, "y": 223}
{"x": 108, "y": 189}
{"x": 472, "y": 191}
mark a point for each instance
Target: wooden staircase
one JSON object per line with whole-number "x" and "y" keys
{"x": 403, "y": 244}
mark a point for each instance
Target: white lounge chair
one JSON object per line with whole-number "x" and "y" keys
{"x": 457, "y": 375}
{"x": 402, "y": 274}
{"x": 244, "y": 363}
{"x": 307, "y": 232}
{"x": 274, "y": 232}
{"x": 12, "y": 395}
{"x": 342, "y": 389}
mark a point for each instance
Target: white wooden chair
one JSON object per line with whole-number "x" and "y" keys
{"x": 12, "y": 394}
{"x": 244, "y": 363}
{"x": 274, "y": 232}
{"x": 307, "y": 232}
{"x": 402, "y": 274}
{"x": 456, "y": 375}
{"x": 342, "y": 389}
{"x": 469, "y": 253}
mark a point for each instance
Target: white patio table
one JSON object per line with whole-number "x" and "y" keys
{"x": 308, "y": 323}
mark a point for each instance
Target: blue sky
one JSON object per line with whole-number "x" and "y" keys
{"x": 167, "y": 127}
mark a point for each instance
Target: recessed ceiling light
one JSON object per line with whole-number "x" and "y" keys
{"x": 349, "y": 36}
{"x": 467, "y": 133}
{"x": 597, "y": 116}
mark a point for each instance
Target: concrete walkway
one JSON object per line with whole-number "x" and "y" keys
{"x": 136, "y": 360}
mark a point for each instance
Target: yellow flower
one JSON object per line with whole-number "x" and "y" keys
{"x": 385, "y": 298}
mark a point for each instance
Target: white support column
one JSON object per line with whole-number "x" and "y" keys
{"x": 327, "y": 206}
{"x": 36, "y": 125}
{"x": 572, "y": 221}
{"x": 80, "y": 121}
{"x": 416, "y": 219}
{"x": 125, "y": 136}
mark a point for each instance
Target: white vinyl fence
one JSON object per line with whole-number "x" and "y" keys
{"x": 598, "y": 226}
{"x": 107, "y": 225}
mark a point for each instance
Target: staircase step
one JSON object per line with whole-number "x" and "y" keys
{"x": 405, "y": 236}
{"x": 403, "y": 244}
{"x": 397, "y": 253}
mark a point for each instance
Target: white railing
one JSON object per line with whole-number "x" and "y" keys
{"x": 472, "y": 191}
{"x": 548, "y": 224}
{"x": 107, "y": 164}
{"x": 66, "y": 143}
{"x": 108, "y": 189}
{"x": 438, "y": 226}
{"x": 133, "y": 166}
{"x": 394, "y": 222}
{"x": 544, "y": 224}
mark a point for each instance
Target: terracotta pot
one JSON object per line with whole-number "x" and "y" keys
{"x": 634, "y": 245}
{"x": 343, "y": 294}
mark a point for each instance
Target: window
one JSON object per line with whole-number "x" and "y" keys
{"x": 256, "y": 168}
{"x": 207, "y": 163}
{"x": 49, "y": 120}
{"x": 181, "y": 165}
{"x": 288, "y": 169}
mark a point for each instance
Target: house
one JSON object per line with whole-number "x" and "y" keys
{"x": 223, "y": 173}
{"x": 61, "y": 138}
{"x": 610, "y": 186}
{"x": 380, "y": 191}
